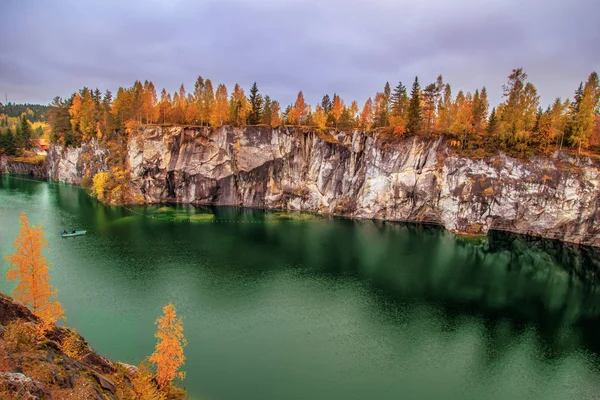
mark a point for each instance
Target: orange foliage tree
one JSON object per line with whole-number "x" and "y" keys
{"x": 168, "y": 356}
{"x": 30, "y": 270}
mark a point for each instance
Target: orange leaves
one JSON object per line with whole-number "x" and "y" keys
{"x": 168, "y": 356}
{"x": 220, "y": 111}
{"x": 300, "y": 108}
{"x": 30, "y": 270}
{"x": 338, "y": 106}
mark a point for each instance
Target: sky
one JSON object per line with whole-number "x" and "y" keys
{"x": 54, "y": 47}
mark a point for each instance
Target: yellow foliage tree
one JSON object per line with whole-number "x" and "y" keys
{"x": 99, "y": 185}
{"x": 143, "y": 388}
{"x": 29, "y": 268}
{"x": 168, "y": 356}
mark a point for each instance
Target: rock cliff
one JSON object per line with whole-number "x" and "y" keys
{"x": 354, "y": 174}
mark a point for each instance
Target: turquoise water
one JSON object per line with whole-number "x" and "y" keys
{"x": 293, "y": 306}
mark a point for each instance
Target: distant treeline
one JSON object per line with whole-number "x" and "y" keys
{"x": 518, "y": 125}
{"x": 34, "y": 112}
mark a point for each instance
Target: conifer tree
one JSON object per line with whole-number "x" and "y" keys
{"x": 415, "y": 118}
{"x": 256, "y": 106}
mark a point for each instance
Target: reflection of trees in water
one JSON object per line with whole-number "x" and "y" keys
{"x": 582, "y": 262}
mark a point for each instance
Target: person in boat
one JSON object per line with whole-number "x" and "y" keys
{"x": 65, "y": 232}
{"x": 73, "y": 231}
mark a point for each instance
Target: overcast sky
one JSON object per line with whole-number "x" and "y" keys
{"x": 52, "y": 48}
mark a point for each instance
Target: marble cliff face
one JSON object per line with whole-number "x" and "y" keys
{"x": 354, "y": 174}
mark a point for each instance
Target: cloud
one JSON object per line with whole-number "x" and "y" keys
{"x": 350, "y": 47}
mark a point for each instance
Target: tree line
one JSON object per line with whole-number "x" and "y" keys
{"x": 518, "y": 124}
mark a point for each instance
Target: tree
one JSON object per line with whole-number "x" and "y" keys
{"x": 220, "y": 112}
{"x": 320, "y": 119}
{"x": 518, "y": 113}
{"x": 238, "y": 106}
{"x": 256, "y": 104}
{"x": 336, "y": 110}
{"x": 164, "y": 105}
{"x": 414, "y": 109}
{"x": 29, "y": 268}
{"x": 208, "y": 101}
{"x": 366, "y": 116}
{"x": 585, "y": 112}
{"x": 275, "y": 115}
{"x": 445, "y": 114}
{"x": 168, "y": 356}
{"x": 326, "y": 104}
{"x": 399, "y": 106}
{"x": 7, "y": 142}
{"x": 480, "y": 111}
{"x": 429, "y": 103}
{"x": 266, "y": 111}
{"x": 300, "y": 107}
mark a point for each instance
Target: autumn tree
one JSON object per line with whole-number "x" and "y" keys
{"x": 208, "y": 101}
{"x": 462, "y": 125}
{"x": 275, "y": 114}
{"x": 415, "y": 114}
{"x": 585, "y": 110}
{"x": 336, "y": 110}
{"x": 518, "y": 113}
{"x": 301, "y": 109}
{"x": 266, "y": 112}
{"x": 164, "y": 106}
{"x": 168, "y": 356}
{"x": 445, "y": 111}
{"x": 220, "y": 112}
{"x": 149, "y": 102}
{"x": 29, "y": 268}
{"x": 256, "y": 106}
{"x": 366, "y": 116}
{"x": 480, "y": 111}
{"x": 238, "y": 106}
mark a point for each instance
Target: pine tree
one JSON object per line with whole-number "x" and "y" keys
{"x": 326, "y": 104}
{"x": 29, "y": 268}
{"x": 415, "y": 119}
{"x": 24, "y": 136}
{"x": 168, "y": 356}
{"x": 429, "y": 102}
{"x": 256, "y": 104}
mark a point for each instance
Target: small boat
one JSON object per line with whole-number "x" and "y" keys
{"x": 72, "y": 233}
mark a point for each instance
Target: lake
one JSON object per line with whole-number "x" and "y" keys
{"x": 295, "y": 306}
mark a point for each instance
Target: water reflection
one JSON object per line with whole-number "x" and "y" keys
{"x": 323, "y": 307}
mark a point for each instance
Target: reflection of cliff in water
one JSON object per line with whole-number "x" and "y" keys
{"x": 582, "y": 262}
